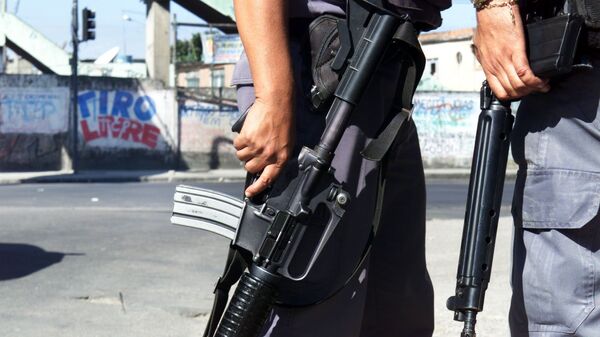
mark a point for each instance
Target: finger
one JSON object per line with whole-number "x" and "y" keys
{"x": 245, "y": 154}
{"x": 525, "y": 73}
{"x": 511, "y": 92}
{"x": 521, "y": 89}
{"x": 269, "y": 174}
{"x": 497, "y": 88}
{"x": 255, "y": 165}
{"x": 239, "y": 142}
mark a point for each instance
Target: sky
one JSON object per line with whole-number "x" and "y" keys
{"x": 53, "y": 17}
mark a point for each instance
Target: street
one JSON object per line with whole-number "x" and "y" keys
{"x": 100, "y": 260}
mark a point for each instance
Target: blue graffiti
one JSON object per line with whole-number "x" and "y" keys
{"x": 123, "y": 103}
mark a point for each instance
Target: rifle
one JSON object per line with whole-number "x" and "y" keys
{"x": 488, "y": 169}
{"x": 486, "y": 184}
{"x": 267, "y": 230}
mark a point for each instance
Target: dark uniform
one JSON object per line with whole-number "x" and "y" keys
{"x": 391, "y": 294}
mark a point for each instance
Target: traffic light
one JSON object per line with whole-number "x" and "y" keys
{"x": 89, "y": 24}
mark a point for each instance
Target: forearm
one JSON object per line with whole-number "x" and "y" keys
{"x": 262, "y": 25}
{"x": 266, "y": 139}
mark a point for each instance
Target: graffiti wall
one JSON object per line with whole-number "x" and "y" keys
{"x": 31, "y": 123}
{"x": 122, "y": 123}
{"x": 447, "y": 123}
{"x": 126, "y": 118}
{"x": 206, "y": 137}
{"x": 34, "y": 110}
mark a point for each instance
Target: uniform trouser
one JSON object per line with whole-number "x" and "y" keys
{"x": 391, "y": 293}
{"x": 556, "y": 253}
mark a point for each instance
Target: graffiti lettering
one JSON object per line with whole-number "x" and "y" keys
{"x": 33, "y": 110}
{"x": 447, "y": 123}
{"x": 144, "y": 107}
{"x": 119, "y": 116}
{"x": 122, "y": 128}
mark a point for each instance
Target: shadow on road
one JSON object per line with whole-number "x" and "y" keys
{"x": 19, "y": 260}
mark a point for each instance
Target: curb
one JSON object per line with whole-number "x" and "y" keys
{"x": 221, "y": 175}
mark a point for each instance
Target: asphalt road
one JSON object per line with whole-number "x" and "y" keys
{"x": 98, "y": 260}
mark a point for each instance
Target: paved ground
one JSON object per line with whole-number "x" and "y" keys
{"x": 80, "y": 260}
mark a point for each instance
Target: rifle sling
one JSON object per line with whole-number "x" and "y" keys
{"x": 234, "y": 268}
{"x": 378, "y": 147}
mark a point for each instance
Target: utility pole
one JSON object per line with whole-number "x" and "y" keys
{"x": 74, "y": 89}
{"x": 174, "y": 51}
{"x": 3, "y": 55}
{"x": 178, "y": 159}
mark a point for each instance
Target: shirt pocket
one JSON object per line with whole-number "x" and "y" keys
{"x": 556, "y": 198}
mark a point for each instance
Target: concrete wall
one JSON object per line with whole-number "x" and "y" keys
{"x": 33, "y": 122}
{"x": 123, "y": 123}
{"x": 447, "y": 123}
{"x": 133, "y": 124}
{"x": 126, "y": 124}
{"x": 206, "y": 136}
{"x": 447, "y": 126}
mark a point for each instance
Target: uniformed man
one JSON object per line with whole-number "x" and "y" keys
{"x": 391, "y": 294}
{"x": 556, "y": 142}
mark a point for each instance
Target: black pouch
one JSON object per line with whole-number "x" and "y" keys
{"x": 324, "y": 44}
{"x": 552, "y": 44}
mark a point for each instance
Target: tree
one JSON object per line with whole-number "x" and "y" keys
{"x": 189, "y": 50}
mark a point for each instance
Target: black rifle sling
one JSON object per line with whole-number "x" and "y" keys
{"x": 234, "y": 268}
{"x": 414, "y": 64}
{"x": 378, "y": 148}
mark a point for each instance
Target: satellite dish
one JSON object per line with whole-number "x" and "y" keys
{"x": 107, "y": 57}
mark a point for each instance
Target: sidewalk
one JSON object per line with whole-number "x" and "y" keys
{"x": 220, "y": 175}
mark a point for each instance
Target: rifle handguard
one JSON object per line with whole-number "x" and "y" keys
{"x": 248, "y": 308}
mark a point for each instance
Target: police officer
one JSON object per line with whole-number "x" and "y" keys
{"x": 556, "y": 142}
{"x": 391, "y": 293}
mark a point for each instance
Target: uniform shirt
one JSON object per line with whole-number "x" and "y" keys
{"x": 424, "y": 13}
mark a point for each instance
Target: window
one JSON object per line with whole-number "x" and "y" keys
{"x": 218, "y": 78}
{"x": 192, "y": 81}
{"x": 432, "y": 66}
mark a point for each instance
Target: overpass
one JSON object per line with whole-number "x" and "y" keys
{"x": 211, "y": 11}
{"x": 50, "y": 58}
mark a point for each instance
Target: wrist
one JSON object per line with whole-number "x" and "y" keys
{"x": 280, "y": 95}
{"x": 485, "y": 4}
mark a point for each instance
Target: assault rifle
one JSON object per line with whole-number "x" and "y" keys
{"x": 483, "y": 208}
{"x": 552, "y": 38}
{"x": 266, "y": 231}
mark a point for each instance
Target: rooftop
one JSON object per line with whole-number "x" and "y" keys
{"x": 447, "y": 36}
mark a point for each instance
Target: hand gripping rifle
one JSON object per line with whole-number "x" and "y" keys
{"x": 269, "y": 229}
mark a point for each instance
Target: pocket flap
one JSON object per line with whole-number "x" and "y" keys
{"x": 558, "y": 199}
